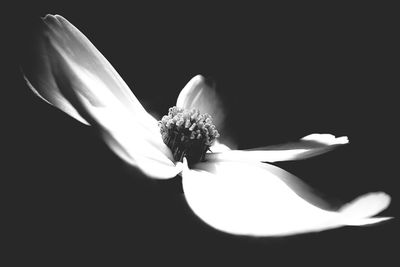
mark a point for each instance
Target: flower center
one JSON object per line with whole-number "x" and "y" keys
{"x": 188, "y": 133}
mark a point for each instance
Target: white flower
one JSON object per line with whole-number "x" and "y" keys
{"x": 232, "y": 190}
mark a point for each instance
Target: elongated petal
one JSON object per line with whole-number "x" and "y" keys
{"x": 73, "y": 76}
{"x": 309, "y": 146}
{"x": 127, "y": 135}
{"x": 57, "y": 32}
{"x": 200, "y": 95}
{"x": 251, "y": 199}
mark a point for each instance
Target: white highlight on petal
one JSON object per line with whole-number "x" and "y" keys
{"x": 308, "y": 146}
{"x": 248, "y": 199}
{"x": 74, "y": 45}
{"x": 128, "y": 136}
{"x": 67, "y": 71}
{"x": 327, "y": 139}
{"x": 57, "y": 34}
{"x": 198, "y": 94}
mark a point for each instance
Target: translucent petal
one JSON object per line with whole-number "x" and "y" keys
{"x": 58, "y": 33}
{"x": 73, "y": 76}
{"x": 249, "y": 199}
{"x": 309, "y": 146}
{"x": 200, "y": 95}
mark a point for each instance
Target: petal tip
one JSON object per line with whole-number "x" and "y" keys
{"x": 198, "y": 77}
{"x": 49, "y": 17}
{"x": 54, "y": 19}
{"x": 342, "y": 140}
{"x": 327, "y": 139}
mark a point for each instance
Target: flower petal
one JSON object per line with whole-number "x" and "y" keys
{"x": 56, "y": 31}
{"x": 309, "y": 146}
{"x": 73, "y": 76}
{"x": 127, "y": 135}
{"x": 249, "y": 199}
{"x": 200, "y": 95}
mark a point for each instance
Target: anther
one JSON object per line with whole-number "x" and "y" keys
{"x": 188, "y": 133}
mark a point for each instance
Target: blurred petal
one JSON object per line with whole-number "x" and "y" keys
{"x": 126, "y": 135}
{"x": 309, "y": 146}
{"x": 202, "y": 96}
{"x": 73, "y": 74}
{"x": 58, "y": 33}
{"x": 249, "y": 199}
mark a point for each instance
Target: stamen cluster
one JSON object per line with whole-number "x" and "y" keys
{"x": 188, "y": 133}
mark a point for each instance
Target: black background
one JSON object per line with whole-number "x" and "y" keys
{"x": 282, "y": 73}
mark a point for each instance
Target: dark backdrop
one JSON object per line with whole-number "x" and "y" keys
{"x": 282, "y": 73}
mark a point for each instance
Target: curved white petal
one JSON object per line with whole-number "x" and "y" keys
{"x": 73, "y": 76}
{"x": 202, "y": 96}
{"x": 58, "y": 33}
{"x": 309, "y": 146}
{"x": 249, "y": 199}
{"x": 127, "y": 135}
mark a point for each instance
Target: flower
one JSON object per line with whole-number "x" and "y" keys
{"x": 235, "y": 191}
